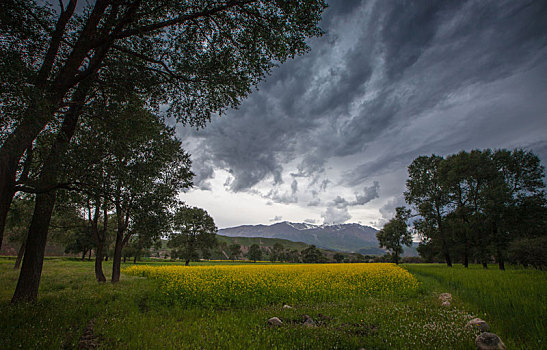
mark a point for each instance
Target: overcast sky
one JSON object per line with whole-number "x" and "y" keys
{"x": 328, "y": 136}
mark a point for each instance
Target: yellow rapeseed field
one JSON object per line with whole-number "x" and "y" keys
{"x": 246, "y": 285}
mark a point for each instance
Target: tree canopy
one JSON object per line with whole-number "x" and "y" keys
{"x": 475, "y": 204}
{"x": 193, "y": 230}
{"x": 395, "y": 234}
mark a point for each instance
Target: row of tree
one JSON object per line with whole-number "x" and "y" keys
{"x": 478, "y": 206}
{"x": 86, "y": 89}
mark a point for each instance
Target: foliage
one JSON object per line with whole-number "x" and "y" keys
{"x": 235, "y": 250}
{"x": 312, "y": 255}
{"x": 277, "y": 252}
{"x": 395, "y": 233}
{"x": 474, "y": 204}
{"x": 255, "y": 253}
{"x": 338, "y": 257}
{"x": 193, "y": 230}
{"x": 529, "y": 252}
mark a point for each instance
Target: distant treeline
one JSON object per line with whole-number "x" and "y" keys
{"x": 480, "y": 206}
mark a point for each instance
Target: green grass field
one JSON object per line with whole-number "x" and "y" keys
{"x": 74, "y": 311}
{"x": 513, "y": 302}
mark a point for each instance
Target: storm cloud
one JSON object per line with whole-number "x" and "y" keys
{"x": 389, "y": 81}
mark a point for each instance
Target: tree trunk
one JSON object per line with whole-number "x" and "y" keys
{"x": 46, "y": 99}
{"x": 89, "y": 256}
{"x": 187, "y": 262}
{"x": 11, "y": 152}
{"x": 501, "y": 262}
{"x": 135, "y": 259}
{"x": 447, "y": 258}
{"x": 100, "y": 238}
{"x": 83, "y": 254}
{"x": 465, "y": 258}
{"x": 484, "y": 265}
{"x": 99, "y": 275}
{"x": 117, "y": 260}
{"x": 20, "y": 254}
{"x": 31, "y": 270}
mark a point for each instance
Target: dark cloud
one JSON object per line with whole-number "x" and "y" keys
{"x": 369, "y": 193}
{"x": 388, "y": 81}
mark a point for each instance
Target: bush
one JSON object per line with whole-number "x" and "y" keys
{"x": 529, "y": 252}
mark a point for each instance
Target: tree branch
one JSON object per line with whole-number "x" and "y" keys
{"x": 181, "y": 19}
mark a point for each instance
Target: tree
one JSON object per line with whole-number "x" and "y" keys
{"x": 466, "y": 177}
{"x": 478, "y": 202}
{"x": 426, "y": 193}
{"x": 277, "y": 252}
{"x": 82, "y": 242}
{"x": 198, "y": 57}
{"x": 312, "y": 255}
{"x": 193, "y": 229}
{"x": 235, "y": 250}
{"x": 255, "y": 253}
{"x": 395, "y": 234}
{"x": 338, "y": 257}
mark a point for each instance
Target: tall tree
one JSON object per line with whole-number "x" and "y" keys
{"x": 235, "y": 250}
{"x": 426, "y": 193}
{"x": 312, "y": 255}
{"x": 200, "y": 57}
{"x": 193, "y": 229}
{"x": 519, "y": 184}
{"x": 395, "y": 234}
{"x": 255, "y": 253}
{"x": 466, "y": 177}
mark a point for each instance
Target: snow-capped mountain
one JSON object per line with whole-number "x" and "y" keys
{"x": 344, "y": 237}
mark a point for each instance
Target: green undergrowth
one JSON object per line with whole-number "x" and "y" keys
{"x": 132, "y": 314}
{"x": 513, "y": 302}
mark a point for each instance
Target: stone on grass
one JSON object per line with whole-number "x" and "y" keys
{"x": 479, "y": 324}
{"x": 287, "y": 306}
{"x": 275, "y": 321}
{"x": 308, "y": 321}
{"x": 446, "y": 303}
{"x": 489, "y": 341}
{"x": 445, "y": 297}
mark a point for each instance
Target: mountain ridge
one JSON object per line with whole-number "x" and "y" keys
{"x": 343, "y": 237}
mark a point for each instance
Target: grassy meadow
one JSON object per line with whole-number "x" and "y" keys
{"x": 226, "y": 306}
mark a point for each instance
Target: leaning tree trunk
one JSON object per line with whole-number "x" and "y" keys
{"x": 10, "y": 154}
{"x": 31, "y": 270}
{"x": 20, "y": 254}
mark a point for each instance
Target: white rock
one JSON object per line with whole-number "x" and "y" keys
{"x": 275, "y": 321}
{"x": 445, "y": 297}
{"x": 287, "y": 306}
{"x": 480, "y": 324}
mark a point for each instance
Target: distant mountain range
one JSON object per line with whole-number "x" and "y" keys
{"x": 343, "y": 237}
